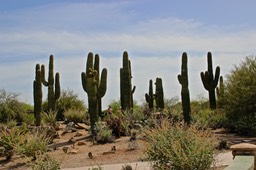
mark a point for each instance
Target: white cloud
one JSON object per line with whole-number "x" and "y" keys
{"x": 155, "y": 47}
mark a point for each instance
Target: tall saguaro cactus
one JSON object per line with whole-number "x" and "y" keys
{"x": 159, "y": 94}
{"x": 150, "y": 96}
{"x": 183, "y": 80}
{"x": 53, "y": 84}
{"x": 95, "y": 88}
{"x": 126, "y": 89}
{"x": 38, "y": 95}
{"x": 210, "y": 81}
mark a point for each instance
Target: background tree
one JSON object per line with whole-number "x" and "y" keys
{"x": 240, "y": 97}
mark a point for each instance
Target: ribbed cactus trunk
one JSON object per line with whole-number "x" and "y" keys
{"x": 183, "y": 80}
{"x": 38, "y": 95}
{"x": 95, "y": 88}
{"x": 210, "y": 81}
{"x": 53, "y": 84}
{"x": 159, "y": 94}
{"x": 126, "y": 89}
{"x": 150, "y": 96}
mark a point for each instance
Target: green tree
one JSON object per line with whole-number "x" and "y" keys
{"x": 10, "y": 107}
{"x": 240, "y": 97}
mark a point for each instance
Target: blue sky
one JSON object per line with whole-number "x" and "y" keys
{"x": 155, "y": 33}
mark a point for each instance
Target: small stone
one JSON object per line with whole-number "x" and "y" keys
{"x": 81, "y": 143}
{"x": 73, "y": 151}
{"x": 65, "y": 149}
{"x": 78, "y": 134}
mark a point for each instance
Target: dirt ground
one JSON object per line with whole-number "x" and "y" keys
{"x": 78, "y": 147}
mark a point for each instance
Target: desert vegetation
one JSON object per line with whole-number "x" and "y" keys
{"x": 176, "y": 133}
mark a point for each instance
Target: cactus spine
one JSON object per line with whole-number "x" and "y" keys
{"x": 126, "y": 89}
{"x": 38, "y": 95}
{"x": 159, "y": 94}
{"x": 53, "y": 87}
{"x": 183, "y": 80}
{"x": 150, "y": 96}
{"x": 210, "y": 82}
{"x": 95, "y": 88}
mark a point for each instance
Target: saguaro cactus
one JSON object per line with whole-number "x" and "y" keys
{"x": 220, "y": 92}
{"x": 95, "y": 88}
{"x": 150, "y": 96}
{"x": 159, "y": 94}
{"x": 209, "y": 81}
{"x": 38, "y": 95}
{"x": 53, "y": 87}
{"x": 126, "y": 89}
{"x": 183, "y": 80}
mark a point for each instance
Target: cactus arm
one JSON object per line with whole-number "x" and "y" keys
{"x": 103, "y": 83}
{"x": 84, "y": 82}
{"x": 57, "y": 86}
{"x": 45, "y": 83}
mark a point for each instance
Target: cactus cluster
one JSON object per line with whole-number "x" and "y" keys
{"x": 95, "y": 87}
{"x": 53, "y": 84}
{"x": 126, "y": 89}
{"x": 210, "y": 81}
{"x": 183, "y": 80}
{"x": 158, "y": 97}
{"x": 38, "y": 95}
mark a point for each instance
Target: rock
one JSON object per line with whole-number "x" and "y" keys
{"x": 82, "y": 126}
{"x": 65, "y": 149}
{"x": 73, "y": 151}
{"x": 78, "y": 134}
{"x": 81, "y": 143}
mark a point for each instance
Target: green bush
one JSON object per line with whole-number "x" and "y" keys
{"x": 104, "y": 134}
{"x": 179, "y": 148}
{"x": 10, "y": 139}
{"x": 45, "y": 162}
{"x": 68, "y": 100}
{"x": 76, "y": 116}
{"x": 35, "y": 143}
{"x": 50, "y": 118}
{"x": 207, "y": 118}
{"x": 10, "y": 107}
{"x": 240, "y": 97}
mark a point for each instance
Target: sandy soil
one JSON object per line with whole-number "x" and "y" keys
{"x": 77, "y": 155}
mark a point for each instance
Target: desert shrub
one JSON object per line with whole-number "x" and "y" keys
{"x": 10, "y": 139}
{"x": 10, "y": 107}
{"x": 45, "y": 162}
{"x": 104, "y": 134}
{"x": 240, "y": 97}
{"x": 207, "y": 118}
{"x": 68, "y": 100}
{"x": 176, "y": 147}
{"x": 117, "y": 125}
{"x": 74, "y": 115}
{"x": 34, "y": 143}
{"x": 50, "y": 118}
{"x": 29, "y": 119}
